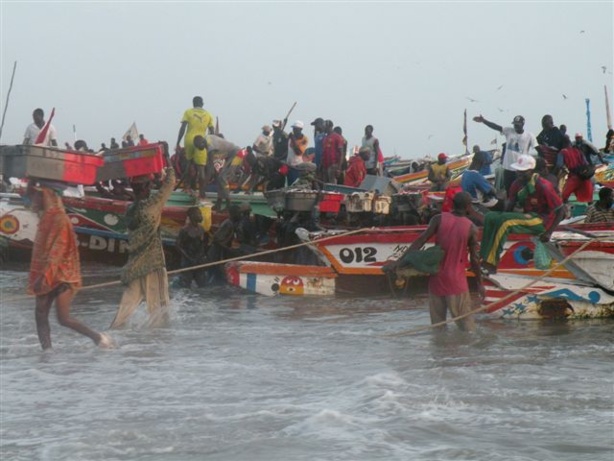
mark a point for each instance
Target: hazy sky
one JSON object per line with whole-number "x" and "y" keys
{"x": 405, "y": 67}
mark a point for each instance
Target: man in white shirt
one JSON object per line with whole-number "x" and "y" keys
{"x": 517, "y": 142}
{"x": 264, "y": 143}
{"x": 33, "y": 130}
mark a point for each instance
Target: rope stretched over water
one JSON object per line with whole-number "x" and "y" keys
{"x": 505, "y": 298}
{"x": 215, "y": 263}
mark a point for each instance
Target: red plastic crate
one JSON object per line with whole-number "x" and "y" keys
{"x": 331, "y": 202}
{"x": 132, "y": 161}
{"x": 50, "y": 163}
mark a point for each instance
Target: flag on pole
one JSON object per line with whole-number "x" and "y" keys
{"x": 42, "y": 135}
{"x": 132, "y": 132}
{"x": 74, "y": 131}
{"x": 217, "y": 126}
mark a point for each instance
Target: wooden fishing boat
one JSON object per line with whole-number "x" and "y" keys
{"x": 99, "y": 225}
{"x": 366, "y": 252}
{"x": 546, "y": 299}
{"x": 271, "y": 279}
{"x": 604, "y": 174}
{"x": 420, "y": 179}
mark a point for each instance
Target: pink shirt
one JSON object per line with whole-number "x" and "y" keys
{"x": 453, "y": 237}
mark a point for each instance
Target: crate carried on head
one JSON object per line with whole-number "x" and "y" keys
{"x": 132, "y": 161}
{"x": 33, "y": 161}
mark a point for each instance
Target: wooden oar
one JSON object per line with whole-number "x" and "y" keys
{"x": 285, "y": 120}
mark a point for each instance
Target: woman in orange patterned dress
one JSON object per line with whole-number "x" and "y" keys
{"x": 55, "y": 271}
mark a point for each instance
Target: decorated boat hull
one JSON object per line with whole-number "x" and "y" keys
{"x": 545, "y": 300}
{"x": 366, "y": 252}
{"x": 271, "y": 279}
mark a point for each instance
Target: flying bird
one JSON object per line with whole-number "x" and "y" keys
{"x": 564, "y": 97}
{"x": 604, "y": 68}
{"x": 499, "y": 87}
{"x": 500, "y": 110}
{"x": 430, "y": 136}
{"x": 581, "y": 31}
{"x": 472, "y": 100}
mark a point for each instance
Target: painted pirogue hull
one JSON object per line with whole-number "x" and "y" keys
{"x": 546, "y": 299}
{"x": 365, "y": 253}
{"x": 271, "y": 279}
{"x": 420, "y": 178}
{"x": 99, "y": 224}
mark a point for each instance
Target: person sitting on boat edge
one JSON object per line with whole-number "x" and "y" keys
{"x": 448, "y": 288}
{"x": 192, "y": 243}
{"x": 474, "y": 183}
{"x": 542, "y": 207}
{"x": 603, "y": 209}
{"x": 485, "y": 169}
{"x": 439, "y": 174}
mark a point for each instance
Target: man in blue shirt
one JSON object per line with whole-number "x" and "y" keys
{"x": 472, "y": 182}
{"x": 486, "y": 160}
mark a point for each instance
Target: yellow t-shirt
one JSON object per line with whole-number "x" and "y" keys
{"x": 198, "y": 120}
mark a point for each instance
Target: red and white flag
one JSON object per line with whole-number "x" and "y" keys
{"x": 42, "y": 135}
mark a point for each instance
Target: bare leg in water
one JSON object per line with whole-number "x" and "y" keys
{"x": 63, "y": 297}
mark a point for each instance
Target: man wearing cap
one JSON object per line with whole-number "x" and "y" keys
{"x": 264, "y": 143}
{"x": 543, "y": 210}
{"x": 319, "y": 133}
{"x": 518, "y": 142}
{"x": 195, "y": 121}
{"x": 439, "y": 173}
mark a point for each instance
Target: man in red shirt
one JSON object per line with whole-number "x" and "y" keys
{"x": 572, "y": 158}
{"x": 357, "y": 170}
{"x": 448, "y": 288}
{"x": 543, "y": 210}
{"x": 332, "y": 154}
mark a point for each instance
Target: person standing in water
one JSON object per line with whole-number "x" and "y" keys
{"x": 55, "y": 270}
{"x": 145, "y": 273}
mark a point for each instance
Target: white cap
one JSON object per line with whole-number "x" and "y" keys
{"x": 524, "y": 163}
{"x": 298, "y": 124}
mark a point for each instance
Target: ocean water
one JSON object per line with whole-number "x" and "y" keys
{"x": 244, "y": 377}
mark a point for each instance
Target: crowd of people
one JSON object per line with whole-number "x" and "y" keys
{"x": 531, "y": 200}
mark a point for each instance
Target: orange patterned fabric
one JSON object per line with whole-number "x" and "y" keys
{"x": 55, "y": 257}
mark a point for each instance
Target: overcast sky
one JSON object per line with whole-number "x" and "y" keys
{"x": 408, "y": 68}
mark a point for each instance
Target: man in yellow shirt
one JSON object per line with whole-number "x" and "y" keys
{"x": 196, "y": 121}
